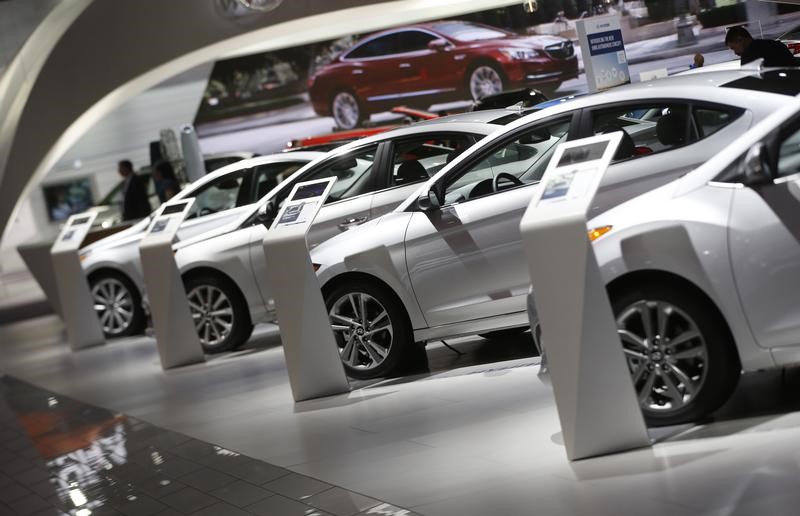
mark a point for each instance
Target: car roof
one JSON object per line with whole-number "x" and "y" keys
{"x": 470, "y": 127}
{"x": 282, "y": 157}
{"x": 697, "y": 88}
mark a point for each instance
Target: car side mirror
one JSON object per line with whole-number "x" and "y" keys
{"x": 756, "y": 167}
{"x": 438, "y": 44}
{"x": 266, "y": 213}
{"x": 428, "y": 201}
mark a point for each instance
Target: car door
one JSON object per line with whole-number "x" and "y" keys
{"x": 764, "y": 239}
{"x": 411, "y": 161}
{"x": 216, "y": 203}
{"x": 465, "y": 260}
{"x": 418, "y": 74}
{"x": 663, "y": 140}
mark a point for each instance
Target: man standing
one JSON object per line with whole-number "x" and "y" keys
{"x": 135, "y": 204}
{"x": 743, "y": 45}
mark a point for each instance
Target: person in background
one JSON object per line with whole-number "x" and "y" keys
{"x": 165, "y": 181}
{"x": 135, "y": 204}
{"x": 699, "y": 61}
{"x": 748, "y": 49}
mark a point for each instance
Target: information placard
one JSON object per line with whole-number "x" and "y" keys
{"x": 597, "y": 405}
{"x": 174, "y": 328}
{"x": 312, "y": 357}
{"x": 603, "y": 50}
{"x": 77, "y": 305}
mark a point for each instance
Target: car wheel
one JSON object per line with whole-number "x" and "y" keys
{"x": 679, "y": 352}
{"x": 346, "y": 110}
{"x": 219, "y": 311}
{"x": 117, "y": 303}
{"x": 484, "y": 79}
{"x": 371, "y": 329}
{"x": 507, "y": 334}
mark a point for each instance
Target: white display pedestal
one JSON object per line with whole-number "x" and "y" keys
{"x": 312, "y": 358}
{"x": 75, "y": 298}
{"x": 595, "y": 398}
{"x": 174, "y": 328}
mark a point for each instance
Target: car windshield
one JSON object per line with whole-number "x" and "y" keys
{"x": 784, "y": 82}
{"x": 468, "y": 32}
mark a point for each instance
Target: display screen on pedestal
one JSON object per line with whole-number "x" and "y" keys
{"x": 575, "y": 171}
{"x": 304, "y": 202}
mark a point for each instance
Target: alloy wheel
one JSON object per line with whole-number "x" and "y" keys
{"x": 212, "y": 313}
{"x": 666, "y": 354}
{"x": 365, "y": 329}
{"x": 346, "y": 110}
{"x": 113, "y": 304}
{"x": 484, "y": 81}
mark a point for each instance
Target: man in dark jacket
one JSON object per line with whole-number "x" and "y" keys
{"x": 743, "y": 45}
{"x": 135, "y": 204}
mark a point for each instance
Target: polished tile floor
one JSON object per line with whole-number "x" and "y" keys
{"x": 471, "y": 437}
{"x": 62, "y": 456}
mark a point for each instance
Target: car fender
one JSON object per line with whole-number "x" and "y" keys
{"x": 695, "y": 250}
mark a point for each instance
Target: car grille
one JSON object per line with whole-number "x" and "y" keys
{"x": 560, "y": 50}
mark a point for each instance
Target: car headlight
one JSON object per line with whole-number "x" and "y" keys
{"x": 596, "y": 233}
{"x": 520, "y": 54}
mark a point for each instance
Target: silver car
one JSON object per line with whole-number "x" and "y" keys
{"x": 704, "y": 273}
{"x": 448, "y": 261}
{"x": 223, "y": 270}
{"x": 112, "y": 264}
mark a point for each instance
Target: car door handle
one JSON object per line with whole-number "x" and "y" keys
{"x": 358, "y": 71}
{"x": 352, "y": 222}
{"x": 405, "y": 65}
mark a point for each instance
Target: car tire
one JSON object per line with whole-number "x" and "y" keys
{"x": 347, "y": 110}
{"x": 118, "y": 304}
{"x": 484, "y": 78}
{"x": 365, "y": 352}
{"x": 220, "y": 313}
{"x": 693, "y": 367}
{"x": 507, "y": 334}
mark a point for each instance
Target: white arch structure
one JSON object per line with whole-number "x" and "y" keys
{"x": 89, "y": 56}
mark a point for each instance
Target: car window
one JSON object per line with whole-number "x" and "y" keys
{"x": 525, "y": 158}
{"x": 270, "y": 175}
{"x": 374, "y": 48}
{"x": 647, "y": 128}
{"x": 420, "y": 158}
{"x": 709, "y": 120}
{"x": 218, "y": 195}
{"x": 410, "y": 41}
{"x": 789, "y": 154}
{"x": 352, "y": 174}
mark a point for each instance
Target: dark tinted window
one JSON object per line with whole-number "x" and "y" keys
{"x": 396, "y": 43}
{"x": 647, "y": 128}
{"x": 784, "y": 82}
{"x": 711, "y": 119}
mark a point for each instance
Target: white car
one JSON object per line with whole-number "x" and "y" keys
{"x": 223, "y": 270}
{"x": 449, "y": 260}
{"x": 112, "y": 264}
{"x": 704, "y": 273}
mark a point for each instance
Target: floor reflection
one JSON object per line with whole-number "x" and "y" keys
{"x": 61, "y": 456}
